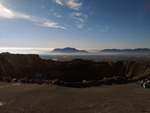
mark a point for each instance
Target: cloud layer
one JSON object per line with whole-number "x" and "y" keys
{"x": 9, "y": 14}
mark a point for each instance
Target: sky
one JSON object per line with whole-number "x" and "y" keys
{"x": 84, "y": 24}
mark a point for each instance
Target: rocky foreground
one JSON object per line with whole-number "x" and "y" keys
{"x": 75, "y": 73}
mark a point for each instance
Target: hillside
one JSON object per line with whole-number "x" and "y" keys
{"x": 32, "y": 66}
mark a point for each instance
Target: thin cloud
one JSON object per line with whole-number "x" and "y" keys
{"x": 75, "y": 5}
{"x": 42, "y": 6}
{"x": 5, "y": 13}
{"x": 51, "y": 24}
{"x": 60, "y": 2}
{"x": 76, "y": 14}
{"x": 85, "y": 16}
{"x": 80, "y": 18}
{"x": 9, "y": 14}
{"x": 52, "y": 9}
{"x": 89, "y": 29}
{"x": 72, "y": 4}
{"x": 79, "y": 25}
{"x": 104, "y": 29}
{"x": 56, "y": 15}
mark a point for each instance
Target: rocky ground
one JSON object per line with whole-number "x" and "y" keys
{"x": 49, "y": 98}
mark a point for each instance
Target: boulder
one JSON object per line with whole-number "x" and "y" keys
{"x": 146, "y": 84}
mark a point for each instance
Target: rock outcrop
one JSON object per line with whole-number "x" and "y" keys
{"x": 19, "y": 65}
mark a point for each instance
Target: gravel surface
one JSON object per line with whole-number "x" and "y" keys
{"x": 48, "y": 98}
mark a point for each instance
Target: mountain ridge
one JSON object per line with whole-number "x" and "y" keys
{"x": 68, "y": 50}
{"x": 127, "y": 50}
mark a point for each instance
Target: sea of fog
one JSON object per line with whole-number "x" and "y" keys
{"x": 45, "y": 53}
{"x": 98, "y": 56}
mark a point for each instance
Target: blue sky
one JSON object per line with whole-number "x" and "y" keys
{"x": 85, "y": 24}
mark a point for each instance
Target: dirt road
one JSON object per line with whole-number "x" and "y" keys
{"x": 48, "y": 98}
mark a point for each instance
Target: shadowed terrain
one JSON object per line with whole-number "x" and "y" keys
{"x": 33, "y": 67}
{"x": 34, "y": 98}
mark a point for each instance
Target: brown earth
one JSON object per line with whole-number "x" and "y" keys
{"x": 48, "y": 98}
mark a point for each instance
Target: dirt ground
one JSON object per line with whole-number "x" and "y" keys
{"x": 48, "y": 98}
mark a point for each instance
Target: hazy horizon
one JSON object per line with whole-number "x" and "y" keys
{"x": 48, "y": 51}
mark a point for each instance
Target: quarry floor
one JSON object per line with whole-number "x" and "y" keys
{"x": 49, "y": 98}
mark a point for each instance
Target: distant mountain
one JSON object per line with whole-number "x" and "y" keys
{"x": 68, "y": 50}
{"x": 127, "y": 50}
